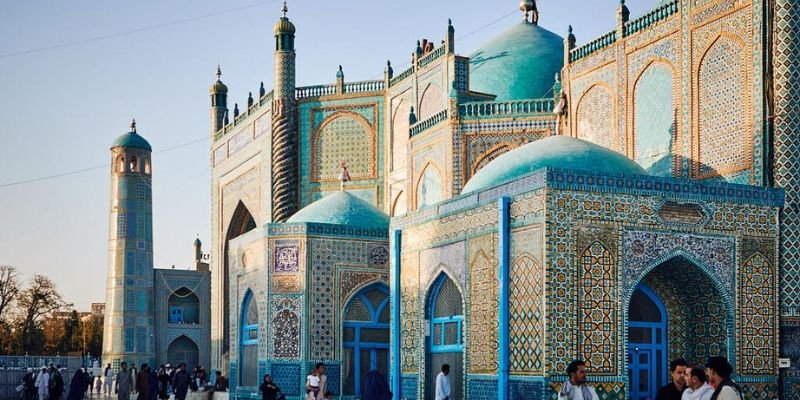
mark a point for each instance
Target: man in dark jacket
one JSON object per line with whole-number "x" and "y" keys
{"x": 181, "y": 382}
{"x": 152, "y": 381}
{"x": 56, "y": 383}
{"x": 29, "y": 385}
{"x": 142, "y": 383}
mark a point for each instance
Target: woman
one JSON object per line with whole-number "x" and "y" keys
{"x": 269, "y": 391}
{"x": 163, "y": 383}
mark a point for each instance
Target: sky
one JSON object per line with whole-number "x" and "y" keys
{"x": 74, "y": 73}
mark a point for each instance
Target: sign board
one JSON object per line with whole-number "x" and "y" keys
{"x": 784, "y": 362}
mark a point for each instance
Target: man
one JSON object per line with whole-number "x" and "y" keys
{"x": 674, "y": 389}
{"x": 142, "y": 384}
{"x": 443, "y": 383}
{"x": 124, "y": 384}
{"x": 696, "y": 386}
{"x": 323, "y": 381}
{"x": 576, "y": 387}
{"x": 56, "y": 383}
{"x": 108, "y": 376}
{"x": 180, "y": 383}
{"x": 719, "y": 372}
{"x": 43, "y": 383}
{"x": 220, "y": 382}
{"x": 29, "y": 385}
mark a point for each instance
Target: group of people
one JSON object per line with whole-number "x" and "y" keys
{"x": 151, "y": 384}
{"x": 374, "y": 386}
{"x": 47, "y": 384}
{"x": 689, "y": 382}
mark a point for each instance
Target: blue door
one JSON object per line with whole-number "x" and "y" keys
{"x": 647, "y": 344}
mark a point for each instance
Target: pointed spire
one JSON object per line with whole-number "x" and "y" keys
{"x": 284, "y": 9}
{"x": 133, "y": 125}
{"x": 261, "y": 91}
{"x": 235, "y": 110}
{"x": 219, "y": 72}
{"x": 249, "y": 99}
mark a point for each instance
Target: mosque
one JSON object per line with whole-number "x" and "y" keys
{"x": 627, "y": 201}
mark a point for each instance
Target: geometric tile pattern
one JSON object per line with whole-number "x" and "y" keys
{"x": 286, "y": 256}
{"x": 288, "y": 377}
{"x": 481, "y": 389}
{"x": 598, "y": 319}
{"x": 757, "y": 317}
{"x": 409, "y": 336}
{"x": 483, "y": 315}
{"x": 526, "y": 316}
{"x": 654, "y": 119}
{"x": 345, "y": 137}
{"x": 595, "y": 117}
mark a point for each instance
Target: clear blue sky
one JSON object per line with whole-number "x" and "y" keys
{"x": 61, "y": 108}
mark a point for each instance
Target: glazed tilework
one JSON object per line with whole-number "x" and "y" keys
{"x": 409, "y": 326}
{"x": 483, "y": 388}
{"x": 288, "y": 377}
{"x": 348, "y": 137}
{"x": 757, "y": 336}
{"x": 286, "y": 335}
{"x": 483, "y": 345}
{"x": 655, "y": 125}
{"x": 598, "y": 317}
{"x": 595, "y": 117}
{"x": 526, "y": 316}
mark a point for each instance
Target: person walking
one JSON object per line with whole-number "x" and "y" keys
{"x": 181, "y": 382}
{"x": 152, "y": 382}
{"x": 43, "y": 384}
{"x": 142, "y": 383}
{"x": 375, "y": 387}
{"x": 576, "y": 387}
{"x": 108, "y": 377}
{"x": 124, "y": 383}
{"x": 719, "y": 372}
{"x": 674, "y": 390}
{"x": 29, "y": 385}
{"x": 443, "y": 383}
{"x": 696, "y": 386}
{"x": 269, "y": 391}
{"x": 56, "y": 383}
{"x": 77, "y": 386}
{"x": 163, "y": 383}
{"x": 98, "y": 385}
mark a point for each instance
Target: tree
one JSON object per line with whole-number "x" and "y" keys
{"x": 40, "y": 299}
{"x": 9, "y": 290}
{"x": 92, "y": 329}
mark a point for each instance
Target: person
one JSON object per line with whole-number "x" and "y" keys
{"x": 181, "y": 382}
{"x": 76, "y": 386}
{"x": 220, "y": 382}
{"x": 29, "y": 385}
{"x": 443, "y": 383}
{"x": 88, "y": 381}
{"x": 269, "y": 391}
{"x": 576, "y": 387}
{"x": 134, "y": 375}
{"x": 674, "y": 389}
{"x": 43, "y": 383}
{"x": 323, "y": 381}
{"x": 152, "y": 382}
{"x": 141, "y": 384}
{"x": 124, "y": 382}
{"x": 98, "y": 385}
{"x": 108, "y": 376}
{"x": 312, "y": 384}
{"x": 696, "y": 386}
{"x": 56, "y": 383}
{"x": 163, "y": 383}
{"x": 375, "y": 387}
{"x": 719, "y": 372}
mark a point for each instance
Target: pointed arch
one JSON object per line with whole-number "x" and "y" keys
{"x": 184, "y": 307}
{"x": 445, "y": 312}
{"x": 241, "y": 222}
{"x": 400, "y": 134}
{"x": 489, "y": 155}
{"x": 595, "y": 116}
{"x": 430, "y": 102}
{"x": 430, "y": 185}
{"x": 654, "y": 132}
{"x": 183, "y": 350}
{"x": 483, "y": 345}
{"x": 344, "y": 136}
{"x": 399, "y": 206}
{"x": 365, "y": 335}
{"x": 248, "y": 341}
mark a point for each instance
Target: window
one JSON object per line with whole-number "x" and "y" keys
{"x": 184, "y": 307}
{"x": 447, "y": 317}
{"x": 248, "y": 355}
{"x": 365, "y": 338}
{"x": 133, "y": 166}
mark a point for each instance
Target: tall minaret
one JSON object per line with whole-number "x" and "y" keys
{"x": 284, "y": 123}
{"x": 219, "y": 103}
{"x": 128, "y": 331}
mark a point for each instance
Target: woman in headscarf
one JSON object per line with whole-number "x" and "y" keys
{"x": 76, "y": 386}
{"x": 375, "y": 387}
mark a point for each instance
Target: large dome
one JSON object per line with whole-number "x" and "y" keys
{"x": 520, "y": 63}
{"x": 342, "y": 208}
{"x": 563, "y": 152}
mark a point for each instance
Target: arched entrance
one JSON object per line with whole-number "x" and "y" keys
{"x": 248, "y": 342}
{"x": 365, "y": 337}
{"x": 184, "y": 307}
{"x": 445, "y": 313}
{"x": 183, "y": 350}
{"x": 677, "y": 310}
{"x": 241, "y": 222}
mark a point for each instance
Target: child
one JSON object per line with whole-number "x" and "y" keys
{"x": 98, "y": 384}
{"x": 312, "y": 385}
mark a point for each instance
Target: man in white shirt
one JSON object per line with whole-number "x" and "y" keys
{"x": 696, "y": 386}
{"x": 576, "y": 387}
{"x": 443, "y": 384}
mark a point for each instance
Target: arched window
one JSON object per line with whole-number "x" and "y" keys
{"x": 241, "y": 221}
{"x": 447, "y": 317}
{"x": 133, "y": 165}
{"x": 184, "y": 307}
{"x": 147, "y": 165}
{"x": 183, "y": 350}
{"x": 429, "y": 187}
{"x": 365, "y": 337}
{"x": 120, "y": 164}
{"x": 248, "y": 354}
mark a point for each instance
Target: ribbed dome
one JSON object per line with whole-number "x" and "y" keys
{"x": 131, "y": 140}
{"x": 520, "y": 63}
{"x": 284, "y": 26}
{"x": 342, "y": 208}
{"x": 563, "y": 152}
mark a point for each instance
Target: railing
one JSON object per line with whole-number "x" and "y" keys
{"x": 603, "y": 41}
{"x": 403, "y": 75}
{"x": 363, "y": 86}
{"x": 314, "y": 91}
{"x": 432, "y": 56}
{"x": 494, "y": 108}
{"x": 265, "y": 100}
{"x": 652, "y": 17}
{"x": 424, "y": 125}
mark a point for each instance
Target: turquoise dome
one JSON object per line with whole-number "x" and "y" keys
{"x": 342, "y": 208}
{"x": 520, "y": 63}
{"x": 563, "y": 152}
{"x": 131, "y": 140}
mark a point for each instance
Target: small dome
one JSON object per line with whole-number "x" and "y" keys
{"x": 563, "y": 152}
{"x": 284, "y": 26}
{"x": 218, "y": 87}
{"x": 131, "y": 140}
{"x": 517, "y": 64}
{"x": 342, "y": 208}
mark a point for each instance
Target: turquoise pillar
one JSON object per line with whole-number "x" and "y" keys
{"x": 504, "y": 242}
{"x": 395, "y": 289}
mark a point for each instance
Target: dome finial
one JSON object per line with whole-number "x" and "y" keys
{"x": 284, "y": 9}
{"x": 219, "y": 72}
{"x": 133, "y": 125}
{"x": 344, "y": 176}
{"x": 529, "y": 7}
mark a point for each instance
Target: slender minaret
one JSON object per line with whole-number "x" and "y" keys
{"x": 284, "y": 123}
{"x": 128, "y": 331}
{"x": 219, "y": 103}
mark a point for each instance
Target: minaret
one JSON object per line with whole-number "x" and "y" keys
{"x": 219, "y": 103}
{"x": 284, "y": 123}
{"x": 128, "y": 331}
